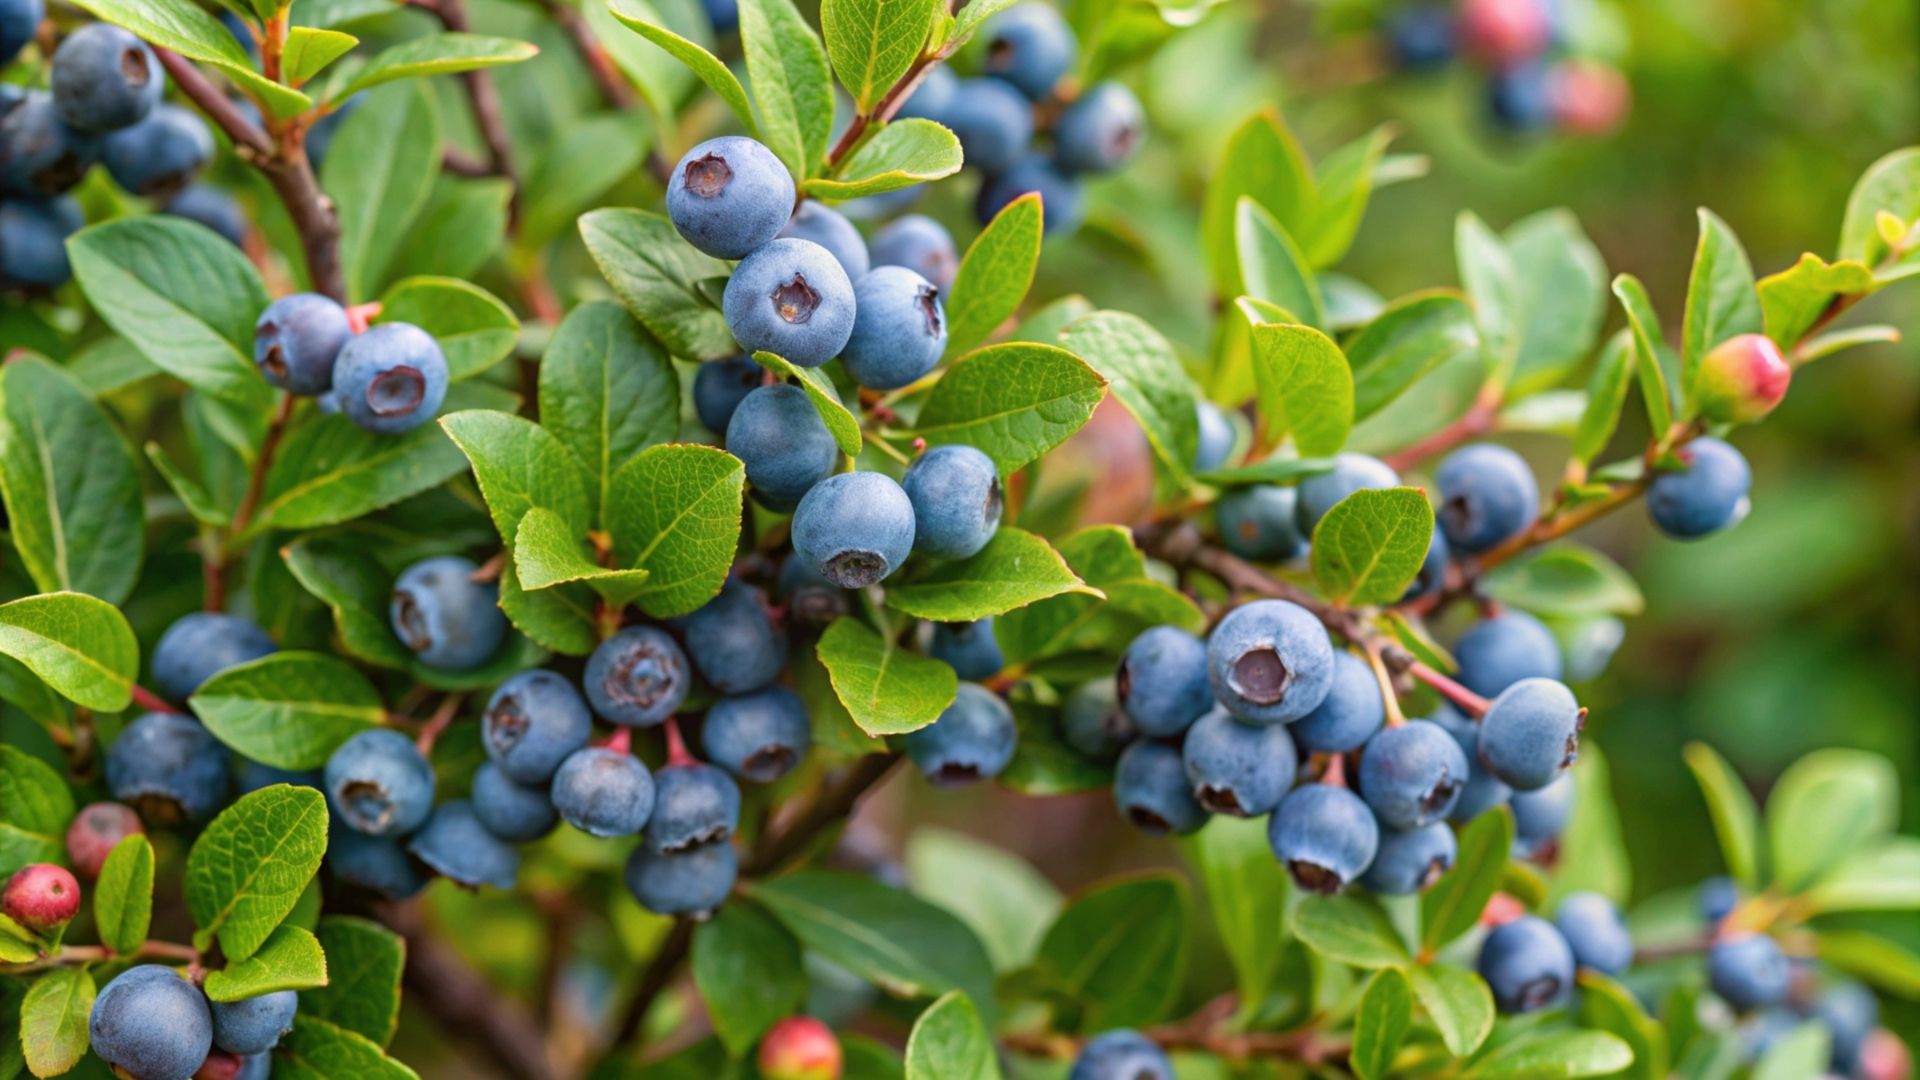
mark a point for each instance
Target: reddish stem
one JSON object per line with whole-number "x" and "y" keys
{"x": 677, "y": 753}
{"x": 621, "y": 741}
{"x": 437, "y": 723}
{"x": 1336, "y": 773}
{"x": 1474, "y": 705}
{"x": 150, "y": 701}
{"x": 359, "y": 316}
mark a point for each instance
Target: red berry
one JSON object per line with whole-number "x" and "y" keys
{"x": 800, "y": 1048}
{"x": 1502, "y": 33}
{"x": 1590, "y": 97}
{"x": 1885, "y": 1057}
{"x": 1741, "y": 379}
{"x": 96, "y": 829}
{"x": 1500, "y": 910}
{"x": 220, "y": 1065}
{"x": 41, "y": 897}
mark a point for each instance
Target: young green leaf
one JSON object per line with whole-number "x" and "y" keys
{"x": 35, "y": 809}
{"x": 1606, "y": 396}
{"x": 1411, "y": 337}
{"x": 358, "y": 591}
{"x": 747, "y": 967}
{"x": 290, "y": 710}
{"x": 1105, "y": 558}
{"x": 643, "y": 20}
{"x": 437, "y": 54}
{"x": 78, "y": 645}
{"x": 948, "y": 1042}
{"x": 675, "y": 513}
{"x": 999, "y": 895}
{"x": 1247, "y": 891}
{"x": 1344, "y": 182}
{"x": 656, "y": 274}
{"x": 1147, "y": 377}
{"x": 873, "y": 42}
{"x": 1277, "y": 470}
{"x": 607, "y": 392}
{"x": 1826, "y": 806}
{"x": 900, "y": 155}
{"x": 1884, "y": 875}
{"x": 1487, "y": 273}
{"x": 888, "y": 690}
{"x": 1792, "y": 300}
{"x": 25, "y": 691}
{"x": 1802, "y": 1052}
{"x": 1878, "y": 960}
{"x": 1119, "y": 950}
{"x": 308, "y": 51}
{"x": 474, "y": 329}
{"x": 364, "y": 963}
{"x": 1369, "y": 547}
{"x": 560, "y": 618}
{"x": 1568, "y": 1054}
{"x": 1892, "y": 185}
{"x": 840, "y": 421}
{"x": 791, "y": 84}
{"x": 198, "y": 502}
{"x": 1263, "y": 161}
{"x": 53, "y": 1020}
{"x": 586, "y": 158}
{"x": 1015, "y": 569}
{"x": 1649, "y": 365}
{"x": 1350, "y": 929}
{"x": 1608, "y": 1006}
{"x": 1014, "y": 402}
{"x": 379, "y": 171}
{"x": 123, "y": 895}
{"x": 1730, "y": 805}
{"x": 331, "y": 470}
{"x": 319, "y": 1048}
{"x": 1561, "y": 287}
{"x": 248, "y": 868}
{"x": 1380, "y": 1025}
{"x": 290, "y": 959}
{"x": 1459, "y": 1003}
{"x": 995, "y": 274}
{"x": 1453, "y": 905}
{"x": 1721, "y": 301}
{"x": 519, "y": 465}
{"x": 1565, "y": 579}
{"x": 1271, "y": 265}
{"x": 1303, "y": 383}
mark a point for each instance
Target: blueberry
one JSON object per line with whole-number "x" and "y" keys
{"x": 168, "y": 767}
{"x": 1595, "y": 932}
{"x": 759, "y": 736}
{"x": 790, "y": 298}
{"x": 449, "y": 620}
{"x": 638, "y": 676}
{"x": 1421, "y": 36}
{"x": 509, "y": 810}
{"x": 1708, "y": 495}
{"x": 811, "y": 600}
{"x": 1242, "y": 770}
{"x": 1503, "y": 33}
{"x": 933, "y": 99}
{"x": 1520, "y": 99}
{"x": 604, "y": 792}
{"x": 1433, "y": 569}
{"x": 1717, "y": 898}
{"x": 376, "y": 863}
{"x": 993, "y": 121}
{"x": 1257, "y": 523}
{"x": 1093, "y": 723}
{"x": 1162, "y": 681}
{"x": 105, "y": 79}
{"x": 696, "y": 805}
{"x": 1411, "y": 861}
{"x": 687, "y": 883}
{"x": 724, "y": 15}
{"x": 1741, "y": 379}
{"x": 458, "y": 846}
{"x": 151, "y": 1023}
{"x": 1350, "y": 473}
{"x": 1487, "y": 494}
{"x": 969, "y": 648}
{"x": 533, "y": 721}
{"x": 831, "y": 230}
{"x": 391, "y": 379}
{"x": 1121, "y": 1054}
{"x": 1482, "y": 792}
{"x": 920, "y": 244}
{"x": 41, "y": 897}
{"x": 19, "y": 21}
{"x": 159, "y": 155}
{"x": 732, "y": 642}
{"x": 1749, "y": 971}
{"x": 39, "y": 153}
{"x": 1497, "y": 652}
{"x": 779, "y": 436}
{"x": 1100, "y": 131}
{"x": 957, "y": 500}
{"x": 973, "y": 739}
{"x": 1270, "y": 662}
{"x": 380, "y": 784}
{"x": 1324, "y": 835}
{"x": 1062, "y": 197}
{"x": 720, "y": 386}
{"x": 1151, "y": 789}
{"x": 95, "y": 830}
{"x": 1350, "y": 713}
{"x": 1527, "y": 963}
{"x": 297, "y": 339}
{"x": 1851, "y": 1012}
{"x": 1216, "y": 437}
{"x": 33, "y": 242}
{"x": 253, "y": 1025}
{"x": 1030, "y": 46}
{"x": 729, "y": 196}
{"x": 855, "y": 528}
{"x": 1531, "y": 734}
{"x": 1412, "y": 774}
{"x": 201, "y": 645}
{"x": 1540, "y": 816}
{"x": 899, "y": 329}
{"x": 251, "y": 776}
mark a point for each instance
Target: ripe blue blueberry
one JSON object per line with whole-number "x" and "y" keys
{"x": 1531, "y": 734}
{"x": 255, "y": 1067}
{"x": 458, "y": 846}
{"x": 1062, "y": 196}
{"x": 19, "y": 20}
{"x": 39, "y": 153}
{"x": 1350, "y": 713}
{"x": 1520, "y": 99}
{"x": 1709, "y": 495}
{"x": 1851, "y": 1012}
{"x": 1270, "y": 662}
{"x": 687, "y": 883}
{"x": 1150, "y": 787}
{"x": 790, "y": 298}
{"x": 201, "y": 645}
{"x": 449, "y": 620}
{"x": 759, "y": 736}
{"x": 253, "y": 1025}
{"x": 1411, "y": 861}
{"x": 920, "y": 244}
{"x": 1540, "y": 816}
{"x": 1412, "y": 774}
{"x": 855, "y": 528}
{"x": 1257, "y": 523}
{"x": 971, "y": 740}
{"x": 1242, "y": 770}
{"x": 1093, "y": 723}
{"x": 695, "y": 805}
{"x": 724, "y": 15}
{"x": 152, "y": 1023}
{"x": 33, "y": 241}
{"x": 604, "y": 792}
{"x": 1595, "y": 932}
{"x": 831, "y": 230}
{"x": 1350, "y": 473}
{"x": 993, "y": 121}
{"x": 969, "y": 648}
{"x": 1216, "y": 440}
{"x": 720, "y": 386}
{"x": 390, "y": 379}
{"x": 376, "y": 863}
{"x": 1527, "y": 963}
{"x": 638, "y": 676}
{"x": 932, "y": 99}
{"x": 729, "y": 195}
{"x": 380, "y": 784}
{"x": 811, "y": 600}
{"x": 1482, "y": 792}
{"x": 899, "y": 329}
{"x": 105, "y": 79}
{"x": 1100, "y": 131}
{"x": 1031, "y": 46}
{"x": 1324, "y": 835}
{"x": 297, "y": 339}
{"x": 1497, "y": 652}
{"x": 1433, "y": 569}
{"x": 1162, "y": 681}
{"x": 957, "y": 500}
{"x": 1121, "y": 1054}
{"x": 1487, "y": 494}
{"x": 779, "y": 436}
{"x": 732, "y": 642}
{"x": 168, "y": 767}
{"x": 1421, "y": 36}
{"x": 1749, "y": 971}
{"x": 533, "y": 721}
{"x": 159, "y": 155}
{"x": 1718, "y": 896}
{"x": 511, "y": 811}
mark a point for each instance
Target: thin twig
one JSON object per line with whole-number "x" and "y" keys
{"x": 1475, "y": 422}
{"x": 832, "y": 805}
{"x": 78, "y": 955}
{"x": 1473, "y": 704}
{"x": 605, "y": 73}
{"x": 658, "y": 976}
{"x": 149, "y": 701}
{"x": 484, "y": 97}
{"x": 463, "y": 1003}
{"x": 438, "y": 722}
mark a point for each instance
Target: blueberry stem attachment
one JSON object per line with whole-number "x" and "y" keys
{"x": 621, "y": 741}
{"x": 1473, "y": 704}
{"x": 360, "y": 315}
{"x": 150, "y": 701}
{"x": 438, "y": 722}
{"x": 82, "y": 955}
{"x": 1394, "y": 716}
{"x": 677, "y": 753}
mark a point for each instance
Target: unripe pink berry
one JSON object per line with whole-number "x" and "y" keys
{"x": 1503, "y": 33}
{"x": 1501, "y": 909}
{"x": 1741, "y": 379}
{"x": 220, "y": 1065}
{"x": 1590, "y": 97}
{"x": 41, "y": 897}
{"x": 1885, "y": 1057}
{"x": 94, "y": 832}
{"x": 800, "y": 1048}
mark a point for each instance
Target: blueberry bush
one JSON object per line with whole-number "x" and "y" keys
{"x": 553, "y": 515}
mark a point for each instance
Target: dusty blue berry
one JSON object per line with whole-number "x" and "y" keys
{"x": 1749, "y": 971}
{"x": 33, "y": 241}
{"x": 1487, "y": 494}
{"x": 759, "y": 736}
{"x": 1151, "y": 790}
{"x": 1531, "y": 734}
{"x": 152, "y": 1023}
{"x": 457, "y": 845}
{"x": 969, "y": 648}
{"x": 159, "y": 155}
{"x": 604, "y": 792}
{"x": 378, "y": 863}
{"x": 1540, "y": 816}
{"x": 19, "y": 21}
{"x": 1350, "y": 713}
{"x": 993, "y": 121}
{"x": 1121, "y": 1054}
{"x": 790, "y": 298}
{"x": 253, "y": 1025}
{"x": 1527, "y": 963}
{"x": 971, "y": 740}
{"x": 380, "y": 784}
{"x": 1520, "y": 98}
{"x": 1242, "y": 770}
{"x": 831, "y": 230}
{"x": 1411, "y": 861}
{"x": 920, "y": 244}
{"x": 297, "y": 340}
{"x": 957, "y": 500}
{"x": 695, "y": 805}
{"x": 1257, "y": 523}
{"x": 1216, "y": 440}
{"x": 201, "y": 645}
{"x": 720, "y": 386}
{"x": 40, "y": 154}
{"x": 811, "y": 600}
{"x": 1499, "y": 651}
{"x": 1162, "y": 681}
{"x": 779, "y": 436}
{"x": 732, "y": 642}
{"x": 686, "y": 883}
{"x": 1101, "y": 130}
{"x": 1031, "y": 46}
{"x": 1324, "y": 835}
{"x": 1709, "y": 495}
{"x": 105, "y": 78}
{"x": 899, "y": 329}
{"x": 449, "y": 620}
{"x": 855, "y": 528}
{"x": 168, "y": 767}
{"x": 390, "y": 379}
{"x": 1595, "y": 932}
{"x": 1270, "y": 662}
{"x": 1093, "y": 722}
{"x": 1063, "y": 202}
{"x": 729, "y": 195}
{"x": 933, "y": 98}
{"x": 511, "y": 811}
{"x": 638, "y": 676}
{"x": 1411, "y": 774}
{"x": 533, "y": 721}
{"x": 1482, "y": 791}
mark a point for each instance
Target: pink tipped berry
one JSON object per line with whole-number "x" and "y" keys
{"x": 1741, "y": 379}
{"x": 800, "y": 1048}
{"x": 96, "y": 829}
{"x": 41, "y": 897}
{"x": 1885, "y": 1057}
{"x": 1503, "y": 33}
{"x": 1589, "y": 97}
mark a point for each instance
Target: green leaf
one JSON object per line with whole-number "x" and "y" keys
{"x": 840, "y": 421}
{"x": 675, "y": 513}
{"x": 1654, "y": 389}
{"x": 35, "y": 808}
{"x": 546, "y": 554}
{"x": 1606, "y": 396}
{"x": 198, "y": 502}
{"x": 475, "y": 330}
{"x": 948, "y": 1042}
{"x": 364, "y": 964}
{"x": 53, "y": 1020}
{"x": 290, "y": 710}
{"x": 1303, "y": 385}
{"x": 1887, "y": 965}
{"x": 873, "y": 42}
{"x": 995, "y": 274}
{"x": 1104, "y": 556}
{"x": 183, "y": 27}
{"x": 1147, "y": 377}
{"x": 888, "y": 690}
{"x": 643, "y": 20}
{"x": 519, "y": 465}
{"x": 1561, "y": 287}
{"x": 379, "y": 171}
{"x": 1369, "y": 547}
{"x": 71, "y": 486}
{"x": 1883, "y": 876}
{"x": 1411, "y": 337}
{"x": 290, "y": 959}
{"x": 248, "y": 868}
{"x": 1593, "y": 851}
{"x": 1043, "y": 763}
{"x": 1891, "y": 184}
{"x": 1721, "y": 301}
{"x": 1015, "y": 569}
{"x": 607, "y": 391}
{"x": 78, "y": 645}
{"x": 1608, "y": 1006}
{"x": 1381, "y": 1024}
{"x": 1826, "y": 806}
{"x": 331, "y": 470}
{"x": 318, "y": 1050}
{"x": 1453, "y": 905}
{"x": 1834, "y": 341}
{"x": 1346, "y": 180}
{"x": 1800, "y": 1054}
{"x": 559, "y": 618}
{"x": 436, "y": 54}
{"x": 1458, "y": 1002}
{"x": 123, "y": 896}
{"x": 1792, "y": 300}
{"x": 791, "y": 84}
{"x": 656, "y": 274}
{"x": 1730, "y": 805}
{"x": 664, "y": 81}
{"x": 1000, "y": 896}
{"x": 13, "y": 993}
{"x": 1247, "y": 892}
{"x": 1488, "y": 275}
{"x": 108, "y": 364}
{"x": 309, "y": 50}
{"x": 1271, "y": 266}
{"x": 900, "y": 155}
{"x": 747, "y": 967}
{"x": 1119, "y": 950}
{"x": 1557, "y": 1055}
{"x": 184, "y": 297}
{"x": 1262, "y": 161}
{"x": 358, "y": 591}
{"x": 1566, "y": 579}
{"x": 1014, "y": 402}
{"x": 1275, "y": 470}
{"x": 1350, "y": 929}
{"x": 586, "y": 159}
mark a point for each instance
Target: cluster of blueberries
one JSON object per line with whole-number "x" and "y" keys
{"x": 388, "y": 379}
{"x": 1515, "y": 41}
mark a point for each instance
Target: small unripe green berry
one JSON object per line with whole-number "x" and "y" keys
{"x": 1741, "y": 379}
{"x": 800, "y": 1048}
